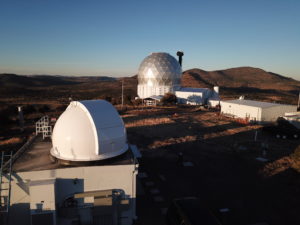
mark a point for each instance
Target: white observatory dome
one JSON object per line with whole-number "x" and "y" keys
{"x": 159, "y": 73}
{"x": 87, "y": 131}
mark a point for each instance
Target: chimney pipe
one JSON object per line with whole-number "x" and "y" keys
{"x": 180, "y": 54}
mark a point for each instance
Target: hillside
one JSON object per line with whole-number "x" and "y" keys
{"x": 13, "y": 80}
{"x": 253, "y": 82}
{"x": 238, "y": 77}
{"x": 21, "y": 81}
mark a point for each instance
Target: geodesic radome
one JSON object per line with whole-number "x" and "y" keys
{"x": 159, "y": 69}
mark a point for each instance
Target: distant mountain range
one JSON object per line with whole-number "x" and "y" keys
{"x": 254, "y": 83}
{"x": 239, "y": 77}
{"x": 22, "y": 81}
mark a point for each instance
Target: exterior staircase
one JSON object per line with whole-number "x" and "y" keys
{"x": 5, "y": 185}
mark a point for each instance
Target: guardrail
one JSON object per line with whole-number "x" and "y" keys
{"x": 20, "y": 151}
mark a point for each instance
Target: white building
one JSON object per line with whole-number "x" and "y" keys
{"x": 90, "y": 177}
{"x": 193, "y": 96}
{"x": 293, "y": 118}
{"x": 198, "y": 96}
{"x": 255, "y": 110}
{"x": 160, "y": 73}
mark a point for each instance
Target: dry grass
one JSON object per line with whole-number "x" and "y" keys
{"x": 282, "y": 164}
{"x": 11, "y": 141}
{"x": 128, "y": 115}
{"x": 229, "y": 132}
{"x": 277, "y": 166}
{"x": 172, "y": 141}
{"x": 149, "y": 122}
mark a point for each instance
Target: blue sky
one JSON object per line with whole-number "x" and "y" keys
{"x": 72, "y": 37}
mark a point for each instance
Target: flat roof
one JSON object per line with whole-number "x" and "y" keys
{"x": 188, "y": 89}
{"x": 37, "y": 157}
{"x": 254, "y": 103}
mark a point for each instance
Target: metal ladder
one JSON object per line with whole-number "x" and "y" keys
{"x": 5, "y": 184}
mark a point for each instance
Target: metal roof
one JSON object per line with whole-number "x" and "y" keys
{"x": 188, "y": 89}
{"x": 155, "y": 97}
{"x": 252, "y": 103}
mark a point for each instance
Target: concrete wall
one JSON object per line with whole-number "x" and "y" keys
{"x": 194, "y": 98}
{"x": 69, "y": 181}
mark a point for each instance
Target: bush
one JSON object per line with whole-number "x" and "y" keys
{"x": 44, "y": 108}
{"x": 28, "y": 109}
{"x": 108, "y": 98}
{"x": 137, "y": 102}
{"x": 6, "y": 115}
{"x": 296, "y": 155}
{"x": 169, "y": 99}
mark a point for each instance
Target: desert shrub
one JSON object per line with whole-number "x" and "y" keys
{"x": 60, "y": 108}
{"x": 28, "y": 109}
{"x": 296, "y": 154}
{"x": 169, "y": 99}
{"x": 137, "y": 102}
{"x": 114, "y": 101}
{"x": 44, "y": 108}
{"x": 127, "y": 100}
{"x": 108, "y": 98}
{"x": 6, "y": 115}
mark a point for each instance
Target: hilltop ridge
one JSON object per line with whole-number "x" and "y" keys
{"x": 254, "y": 83}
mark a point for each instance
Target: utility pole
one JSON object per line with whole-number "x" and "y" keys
{"x": 122, "y": 92}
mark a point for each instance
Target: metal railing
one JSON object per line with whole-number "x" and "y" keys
{"x": 42, "y": 127}
{"x": 5, "y": 185}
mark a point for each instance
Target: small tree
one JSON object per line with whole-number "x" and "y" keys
{"x": 169, "y": 99}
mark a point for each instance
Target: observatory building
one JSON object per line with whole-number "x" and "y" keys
{"x": 160, "y": 73}
{"x": 86, "y": 175}
{"x": 87, "y": 132}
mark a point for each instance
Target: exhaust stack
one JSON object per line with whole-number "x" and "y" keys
{"x": 180, "y": 54}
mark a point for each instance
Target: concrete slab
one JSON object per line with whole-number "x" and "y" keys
{"x": 162, "y": 177}
{"x": 261, "y": 159}
{"x": 158, "y": 199}
{"x": 154, "y": 191}
{"x": 149, "y": 183}
{"x": 139, "y": 189}
{"x": 187, "y": 164}
{"x": 142, "y": 175}
{"x": 163, "y": 211}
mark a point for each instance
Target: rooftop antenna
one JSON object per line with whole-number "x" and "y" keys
{"x": 180, "y": 54}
